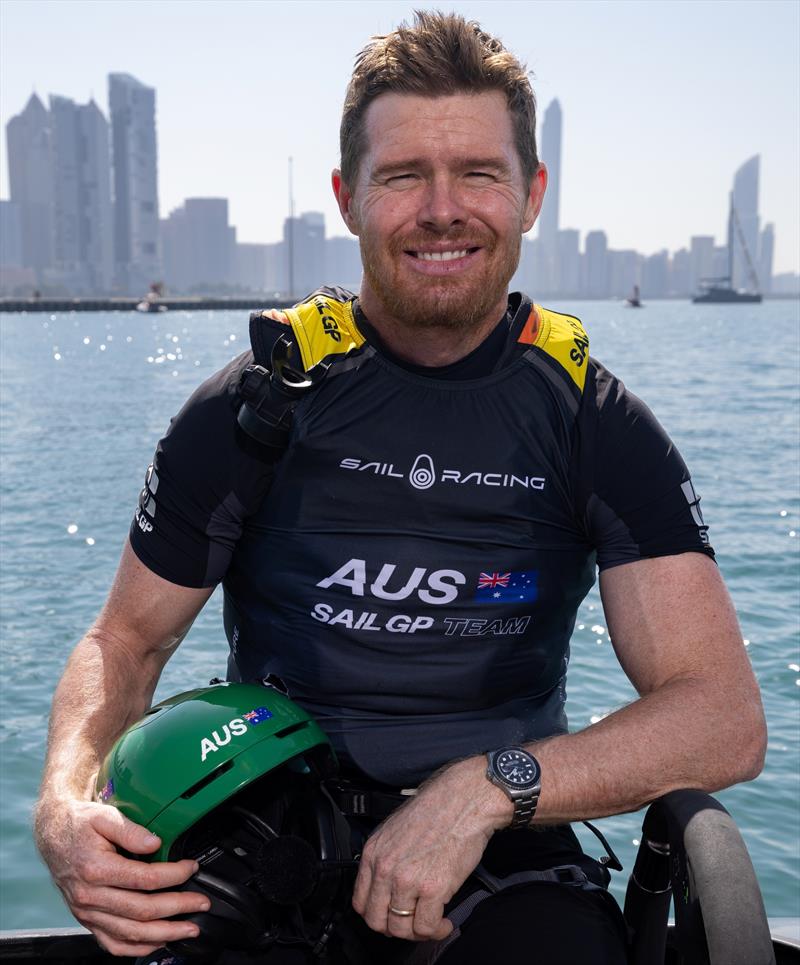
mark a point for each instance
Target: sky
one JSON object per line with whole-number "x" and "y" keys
{"x": 662, "y": 99}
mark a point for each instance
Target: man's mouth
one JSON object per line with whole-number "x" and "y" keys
{"x": 442, "y": 255}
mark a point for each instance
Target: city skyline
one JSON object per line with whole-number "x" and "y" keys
{"x": 649, "y": 152}
{"x": 57, "y": 229}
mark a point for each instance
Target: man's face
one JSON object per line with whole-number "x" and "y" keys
{"x": 439, "y": 206}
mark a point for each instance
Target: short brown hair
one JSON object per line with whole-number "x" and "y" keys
{"x": 440, "y": 54}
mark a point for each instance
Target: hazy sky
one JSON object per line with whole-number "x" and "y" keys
{"x": 662, "y": 101}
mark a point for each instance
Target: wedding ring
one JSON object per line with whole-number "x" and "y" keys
{"x": 401, "y": 912}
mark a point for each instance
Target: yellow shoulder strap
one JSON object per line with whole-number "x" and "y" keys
{"x": 323, "y": 327}
{"x": 562, "y": 337}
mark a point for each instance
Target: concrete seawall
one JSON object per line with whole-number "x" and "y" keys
{"x": 54, "y": 305}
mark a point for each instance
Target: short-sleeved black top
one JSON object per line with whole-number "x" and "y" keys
{"x": 413, "y": 565}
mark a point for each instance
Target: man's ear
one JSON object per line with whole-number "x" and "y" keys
{"x": 344, "y": 198}
{"x": 536, "y": 192}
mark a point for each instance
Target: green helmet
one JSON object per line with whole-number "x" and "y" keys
{"x": 193, "y": 752}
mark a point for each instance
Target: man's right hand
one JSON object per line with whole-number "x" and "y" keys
{"x": 111, "y": 895}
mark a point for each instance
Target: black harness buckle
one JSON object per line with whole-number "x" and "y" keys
{"x": 270, "y": 395}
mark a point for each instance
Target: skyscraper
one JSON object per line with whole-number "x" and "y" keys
{"x": 82, "y": 230}
{"x": 30, "y": 176}
{"x": 745, "y": 205}
{"x": 548, "y": 219}
{"x": 766, "y": 250}
{"x": 551, "y": 155}
{"x": 132, "y": 106}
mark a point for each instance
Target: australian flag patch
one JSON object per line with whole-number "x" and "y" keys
{"x": 511, "y": 587}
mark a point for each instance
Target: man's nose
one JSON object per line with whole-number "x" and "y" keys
{"x": 442, "y": 207}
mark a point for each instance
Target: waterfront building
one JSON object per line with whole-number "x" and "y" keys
{"x": 10, "y": 235}
{"x": 655, "y": 275}
{"x": 15, "y": 278}
{"x": 766, "y": 250}
{"x": 701, "y": 260}
{"x": 343, "y": 263}
{"x": 275, "y": 263}
{"x": 786, "y": 283}
{"x": 132, "y": 107}
{"x": 199, "y": 247}
{"x": 249, "y": 267}
{"x": 680, "y": 283}
{"x": 527, "y": 277}
{"x": 304, "y": 246}
{"x": 624, "y": 270}
{"x": 596, "y": 274}
{"x": 568, "y": 262}
{"x": 719, "y": 261}
{"x": 82, "y": 216}
{"x": 745, "y": 203}
{"x": 30, "y": 178}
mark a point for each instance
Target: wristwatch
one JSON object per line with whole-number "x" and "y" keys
{"x": 518, "y": 773}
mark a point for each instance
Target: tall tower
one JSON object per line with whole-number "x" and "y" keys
{"x": 745, "y": 203}
{"x": 551, "y": 155}
{"x": 96, "y": 229}
{"x": 30, "y": 176}
{"x": 132, "y": 106}
{"x": 766, "y": 250}
{"x": 81, "y": 195}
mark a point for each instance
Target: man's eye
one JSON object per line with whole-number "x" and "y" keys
{"x": 480, "y": 174}
{"x": 399, "y": 178}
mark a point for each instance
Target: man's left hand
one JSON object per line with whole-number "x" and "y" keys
{"x": 421, "y": 855}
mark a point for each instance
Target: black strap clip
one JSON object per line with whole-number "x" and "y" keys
{"x": 270, "y": 395}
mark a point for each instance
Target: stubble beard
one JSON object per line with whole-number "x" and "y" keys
{"x": 459, "y": 304}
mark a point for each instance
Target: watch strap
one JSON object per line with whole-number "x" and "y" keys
{"x": 524, "y": 809}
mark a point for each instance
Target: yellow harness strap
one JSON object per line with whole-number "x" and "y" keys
{"x": 562, "y": 337}
{"x": 323, "y": 327}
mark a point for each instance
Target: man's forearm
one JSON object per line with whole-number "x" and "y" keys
{"x": 105, "y": 688}
{"x": 683, "y": 735}
{"x": 686, "y": 734}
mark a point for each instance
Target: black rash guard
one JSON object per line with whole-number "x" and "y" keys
{"x": 413, "y": 565}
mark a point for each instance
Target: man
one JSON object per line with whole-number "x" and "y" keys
{"x": 413, "y": 565}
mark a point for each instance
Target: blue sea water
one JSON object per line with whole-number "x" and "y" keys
{"x": 85, "y": 397}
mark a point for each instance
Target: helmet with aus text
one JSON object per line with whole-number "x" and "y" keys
{"x": 232, "y": 776}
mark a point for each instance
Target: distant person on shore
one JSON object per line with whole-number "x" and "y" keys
{"x": 412, "y": 565}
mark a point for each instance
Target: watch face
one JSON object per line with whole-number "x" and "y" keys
{"x": 517, "y": 768}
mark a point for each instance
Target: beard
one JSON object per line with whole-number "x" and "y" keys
{"x": 460, "y": 302}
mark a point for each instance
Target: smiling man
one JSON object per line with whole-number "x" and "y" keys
{"x": 411, "y": 562}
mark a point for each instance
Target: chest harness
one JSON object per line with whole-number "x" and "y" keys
{"x": 320, "y": 339}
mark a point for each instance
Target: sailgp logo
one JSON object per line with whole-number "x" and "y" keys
{"x": 424, "y": 474}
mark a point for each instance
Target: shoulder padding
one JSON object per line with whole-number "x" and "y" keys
{"x": 563, "y": 338}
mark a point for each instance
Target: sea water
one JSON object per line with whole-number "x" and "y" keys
{"x": 85, "y": 398}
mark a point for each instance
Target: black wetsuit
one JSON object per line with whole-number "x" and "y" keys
{"x": 413, "y": 566}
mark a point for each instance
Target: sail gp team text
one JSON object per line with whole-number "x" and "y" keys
{"x": 436, "y": 588}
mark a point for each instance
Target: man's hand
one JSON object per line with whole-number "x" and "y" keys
{"x": 422, "y": 854}
{"x": 107, "y": 893}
